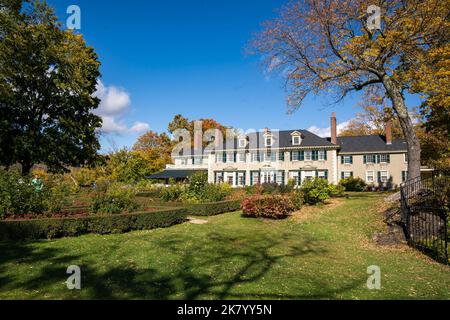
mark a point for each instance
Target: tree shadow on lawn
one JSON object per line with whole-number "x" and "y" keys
{"x": 26, "y": 252}
{"x": 217, "y": 266}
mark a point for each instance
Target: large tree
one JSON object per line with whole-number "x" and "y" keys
{"x": 47, "y": 79}
{"x": 155, "y": 148}
{"x": 328, "y": 46}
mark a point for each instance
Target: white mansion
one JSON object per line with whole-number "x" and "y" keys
{"x": 277, "y": 156}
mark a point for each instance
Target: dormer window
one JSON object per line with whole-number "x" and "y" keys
{"x": 242, "y": 143}
{"x": 296, "y": 138}
{"x": 268, "y": 141}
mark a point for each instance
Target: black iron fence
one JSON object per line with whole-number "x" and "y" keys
{"x": 424, "y": 214}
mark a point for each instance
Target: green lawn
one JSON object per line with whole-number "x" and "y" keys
{"x": 322, "y": 253}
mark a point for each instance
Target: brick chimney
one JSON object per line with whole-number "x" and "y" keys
{"x": 389, "y": 132}
{"x": 198, "y": 137}
{"x": 333, "y": 129}
{"x": 218, "y": 139}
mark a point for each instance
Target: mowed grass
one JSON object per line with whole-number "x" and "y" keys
{"x": 320, "y": 253}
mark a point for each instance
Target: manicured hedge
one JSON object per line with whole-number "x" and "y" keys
{"x": 67, "y": 227}
{"x": 212, "y": 208}
{"x": 119, "y": 223}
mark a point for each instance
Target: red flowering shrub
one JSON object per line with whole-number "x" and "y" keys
{"x": 267, "y": 206}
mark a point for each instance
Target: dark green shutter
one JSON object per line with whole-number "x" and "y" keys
{"x": 351, "y": 159}
{"x": 326, "y": 174}
{"x": 379, "y": 176}
{"x": 365, "y": 159}
{"x": 235, "y": 156}
{"x": 302, "y": 155}
{"x": 351, "y": 173}
{"x": 342, "y": 159}
{"x": 377, "y": 158}
{"x": 388, "y": 158}
{"x": 224, "y": 157}
{"x": 342, "y": 175}
{"x": 325, "y": 154}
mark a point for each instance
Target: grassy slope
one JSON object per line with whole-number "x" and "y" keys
{"x": 318, "y": 254}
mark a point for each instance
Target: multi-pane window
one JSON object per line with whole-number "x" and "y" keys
{"x": 369, "y": 158}
{"x": 346, "y": 159}
{"x": 346, "y": 174}
{"x": 322, "y": 175}
{"x": 255, "y": 177}
{"x": 295, "y": 155}
{"x": 296, "y": 140}
{"x": 219, "y": 177}
{"x": 242, "y": 143}
{"x": 219, "y": 157}
{"x": 321, "y": 155}
{"x": 405, "y": 157}
{"x": 384, "y": 176}
{"x": 230, "y": 157}
{"x": 241, "y": 178}
{"x": 241, "y": 157}
{"x": 268, "y": 141}
{"x": 384, "y": 158}
{"x": 308, "y": 155}
{"x": 280, "y": 177}
{"x": 280, "y": 156}
{"x": 404, "y": 176}
{"x": 370, "y": 176}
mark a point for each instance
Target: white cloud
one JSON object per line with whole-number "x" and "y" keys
{"x": 110, "y": 125}
{"x": 326, "y": 132}
{"x": 114, "y": 100}
{"x": 114, "y": 105}
{"x": 140, "y": 127}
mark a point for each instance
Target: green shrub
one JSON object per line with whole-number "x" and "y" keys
{"x": 57, "y": 197}
{"x": 116, "y": 199}
{"x": 336, "y": 190}
{"x": 68, "y": 227}
{"x": 146, "y": 185}
{"x": 195, "y": 190}
{"x": 297, "y": 199}
{"x": 315, "y": 191}
{"x": 269, "y": 188}
{"x": 200, "y": 191}
{"x": 353, "y": 184}
{"x": 18, "y": 196}
{"x": 267, "y": 206}
{"x": 172, "y": 192}
{"x": 216, "y": 192}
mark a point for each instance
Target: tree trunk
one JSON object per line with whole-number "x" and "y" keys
{"x": 413, "y": 144}
{"x": 26, "y": 168}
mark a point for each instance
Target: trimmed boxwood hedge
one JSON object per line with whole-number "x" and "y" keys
{"x": 119, "y": 223}
{"x": 212, "y": 208}
{"x": 67, "y": 227}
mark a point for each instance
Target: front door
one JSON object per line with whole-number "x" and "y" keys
{"x": 308, "y": 175}
{"x": 230, "y": 178}
{"x": 268, "y": 176}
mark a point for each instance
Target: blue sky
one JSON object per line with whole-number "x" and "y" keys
{"x": 160, "y": 58}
